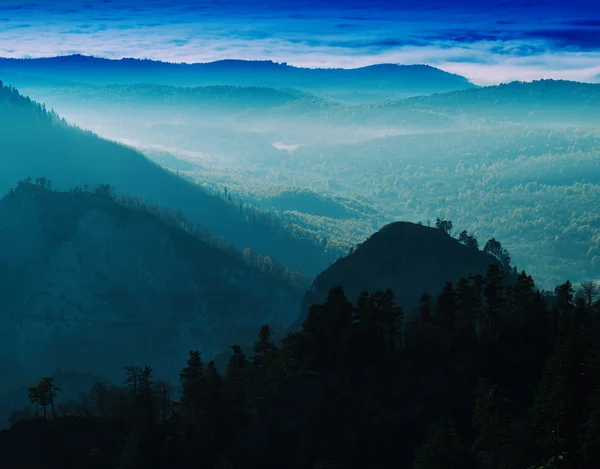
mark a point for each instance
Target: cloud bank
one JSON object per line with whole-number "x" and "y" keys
{"x": 488, "y": 42}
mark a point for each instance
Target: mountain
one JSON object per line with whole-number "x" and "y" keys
{"x": 375, "y": 80}
{"x": 91, "y": 284}
{"x": 216, "y": 99}
{"x": 344, "y": 392}
{"x": 408, "y": 258}
{"x": 542, "y": 101}
{"x": 35, "y": 142}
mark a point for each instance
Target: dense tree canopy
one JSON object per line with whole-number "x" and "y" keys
{"x": 489, "y": 375}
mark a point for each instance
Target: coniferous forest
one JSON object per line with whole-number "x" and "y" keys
{"x": 487, "y": 373}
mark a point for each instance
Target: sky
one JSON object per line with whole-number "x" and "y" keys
{"x": 488, "y": 41}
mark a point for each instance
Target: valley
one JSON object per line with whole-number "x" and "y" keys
{"x": 382, "y": 266}
{"x": 512, "y": 161}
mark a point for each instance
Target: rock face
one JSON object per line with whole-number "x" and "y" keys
{"x": 88, "y": 284}
{"x": 410, "y": 259}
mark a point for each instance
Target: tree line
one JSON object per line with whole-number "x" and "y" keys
{"x": 487, "y": 374}
{"x": 177, "y": 218}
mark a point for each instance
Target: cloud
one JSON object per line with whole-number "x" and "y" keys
{"x": 496, "y": 40}
{"x": 581, "y": 39}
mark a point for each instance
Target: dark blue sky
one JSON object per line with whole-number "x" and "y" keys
{"x": 489, "y": 41}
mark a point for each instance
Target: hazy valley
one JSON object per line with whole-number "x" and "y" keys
{"x": 512, "y": 161}
{"x": 375, "y": 267}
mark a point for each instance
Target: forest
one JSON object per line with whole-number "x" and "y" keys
{"x": 514, "y": 161}
{"x": 71, "y": 156}
{"x": 487, "y": 374}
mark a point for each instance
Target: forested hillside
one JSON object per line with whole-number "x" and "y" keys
{"x": 35, "y": 141}
{"x": 121, "y": 281}
{"x": 365, "y": 83}
{"x": 515, "y": 161}
{"x": 486, "y": 375}
{"x": 408, "y": 259}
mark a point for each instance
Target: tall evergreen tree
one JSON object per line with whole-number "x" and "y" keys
{"x": 495, "y": 299}
{"x": 191, "y": 386}
{"x": 495, "y": 446}
{"x": 445, "y": 314}
{"x": 444, "y": 448}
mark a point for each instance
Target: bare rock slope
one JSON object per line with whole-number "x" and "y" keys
{"x": 89, "y": 284}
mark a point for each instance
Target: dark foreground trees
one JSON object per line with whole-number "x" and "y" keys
{"x": 486, "y": 376}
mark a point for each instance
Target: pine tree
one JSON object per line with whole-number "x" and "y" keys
{"x": 522, "y": 312}
{"x": 214, "y": 405}
{"x": 465, "y": 323}
{"x": 495, "y": 298}
{"x": 390, "y": 318}
{"x": 34, "y": 398}
{"x": 49, "y": 390}
{"x": 191, "y": 385}
{"x": 266, "y": 370}
{"x": 444, "y": 448}
{"x": 145, "y": 402}
{"x": 234, "y": 387}
{"x": 445, "y": 314}
{"x": 591, "y": 432}
{"x": 495, "y": 445}
{"x": 564, "y": 398}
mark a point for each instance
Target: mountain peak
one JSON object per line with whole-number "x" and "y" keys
{"x": 409, "y": 258}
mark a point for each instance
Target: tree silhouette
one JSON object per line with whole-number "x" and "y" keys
{"x": 191, "y": 385}
{"x": 445, "y": 313}
{"x": 48, "y": 392}
{"x": 444, "y": 448}
{"x": 495, "y": 446}
{"x": 34, "y": 398}
{"x": 589, "y": 292}
{"x": 444, "y": 225}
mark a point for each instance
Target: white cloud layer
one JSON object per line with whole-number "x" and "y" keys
{"x": 457, "y": 41}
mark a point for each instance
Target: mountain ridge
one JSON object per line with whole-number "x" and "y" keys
{"x": 381, "y": 78}
{"x": 80, "y": 270}
{"x": 88, "y": 159}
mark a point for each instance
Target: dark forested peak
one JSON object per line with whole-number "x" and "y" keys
{"x": 413, "y": 240}
{"x": 407, "y": 229}
{"x": 408, "y": 258}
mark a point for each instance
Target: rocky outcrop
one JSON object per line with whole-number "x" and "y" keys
{"x": 88, "y": 284}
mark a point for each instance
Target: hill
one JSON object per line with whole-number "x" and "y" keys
{"x": 540, "y": 101}
{"x": 375, "y": 80}
{"x": 216, "y": 99}
{"x": 355, "y": 387}
{"x": 408, "y": 258}
{"x": 34, "y": 141}
{"x": 92, "y": 284}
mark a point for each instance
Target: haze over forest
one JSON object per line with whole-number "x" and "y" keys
{"x": 373, "y": 234}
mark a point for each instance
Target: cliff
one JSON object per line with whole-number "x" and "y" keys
{"x": 89, "y": 284}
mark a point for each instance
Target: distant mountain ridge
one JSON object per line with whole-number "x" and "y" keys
{"x": 406, "y": 80}
{"x": 542, "y": 101}
{"x": 526, "y": 101}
